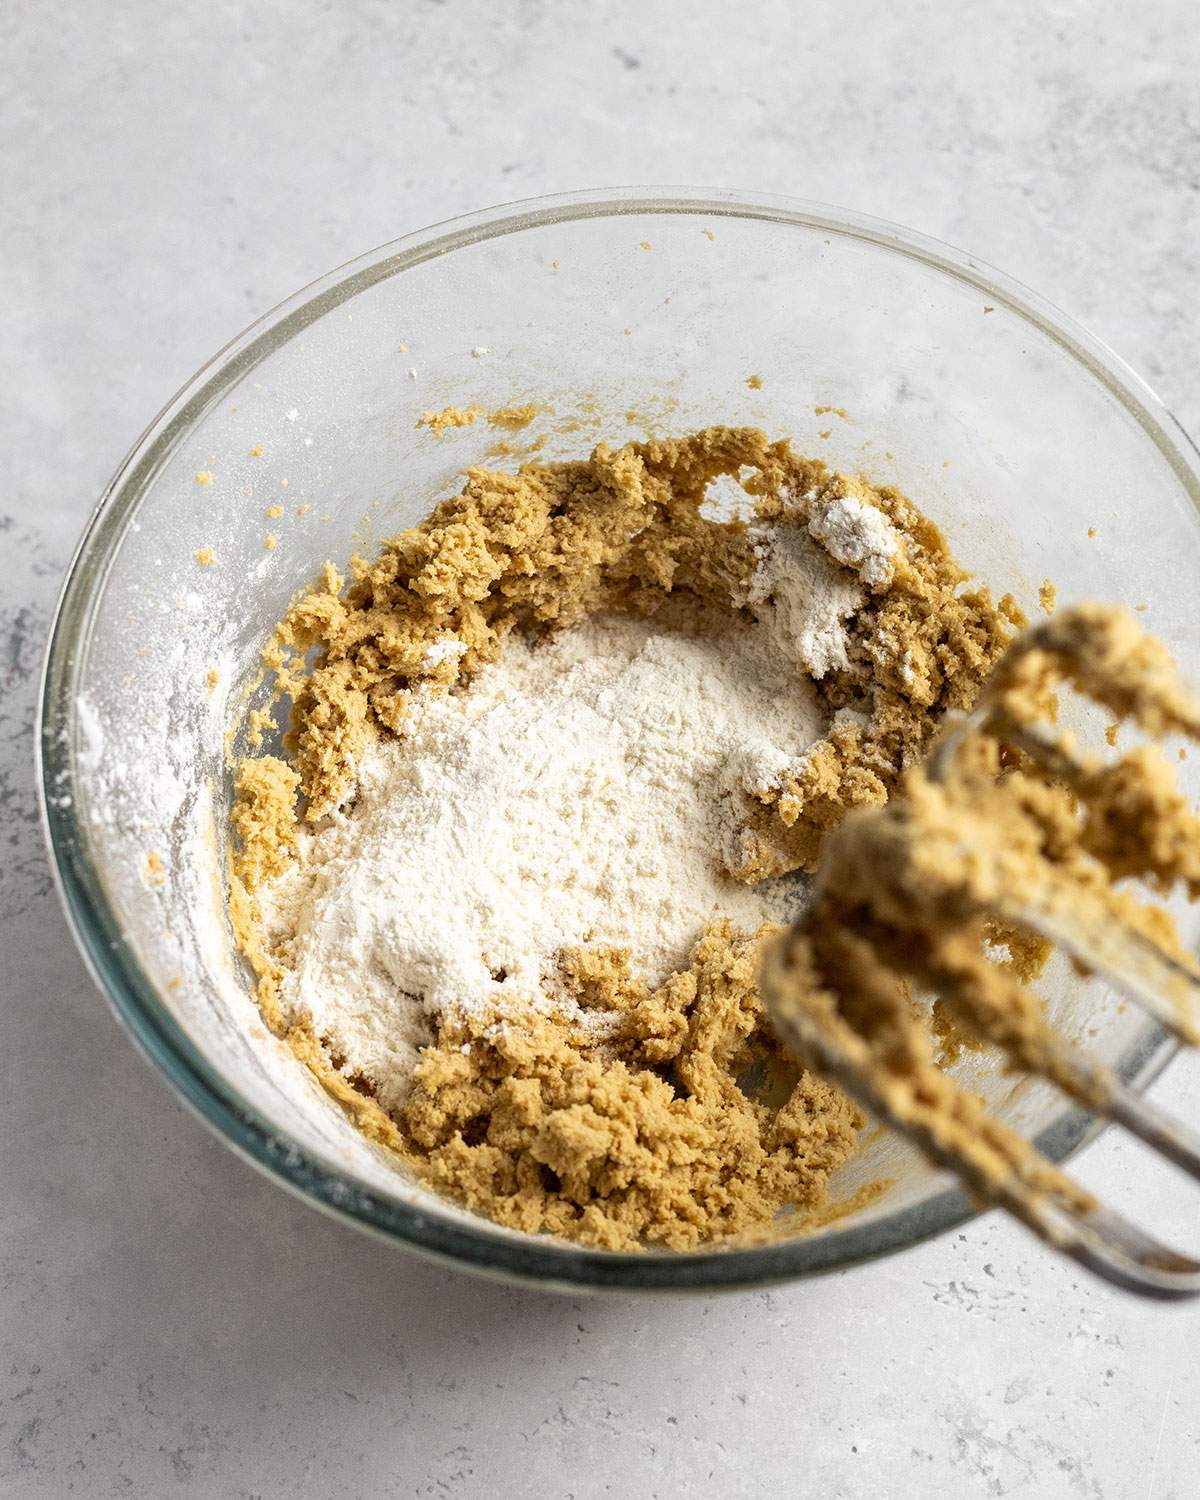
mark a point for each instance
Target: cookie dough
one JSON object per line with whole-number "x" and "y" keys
{"x": 679, "y": 1121}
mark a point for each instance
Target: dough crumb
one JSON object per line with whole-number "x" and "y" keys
{"x": 439, "y": 422}
{"x": 513, "y": 418}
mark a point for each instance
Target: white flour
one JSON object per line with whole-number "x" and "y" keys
{"x": 801, "y": 590}
{"x": 857, "y": 535}
{"x": 580, "y": 792}
{"x": 810, "y": 597}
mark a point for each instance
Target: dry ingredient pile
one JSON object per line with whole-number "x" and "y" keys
{"x": 551, "y": 761}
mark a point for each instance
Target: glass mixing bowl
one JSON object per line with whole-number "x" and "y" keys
{"x": 619, "y": 313}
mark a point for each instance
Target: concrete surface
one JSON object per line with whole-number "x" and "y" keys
{"x": 170, "y": 1322}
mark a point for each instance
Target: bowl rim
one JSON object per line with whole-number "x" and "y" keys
{"x": 478, "y": 1245}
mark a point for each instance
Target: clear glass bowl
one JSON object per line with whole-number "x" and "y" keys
{"x": 619, "y": 313}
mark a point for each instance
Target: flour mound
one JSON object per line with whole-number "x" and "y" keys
{"x": 581, "y": 791}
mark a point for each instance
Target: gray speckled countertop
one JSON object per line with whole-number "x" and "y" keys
{"x": 170, "y": 1321}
